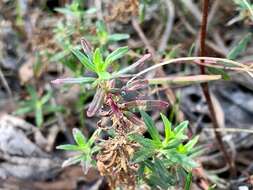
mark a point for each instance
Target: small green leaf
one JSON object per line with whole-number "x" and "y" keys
{"x": 151, "y": 127}
{"x": 79, "y": 137}
{"x": 98, "y": 60}
{"x": 87, "y": 63}
{"x": 31, "y": 90}
{"x": 93, "y": 137}
{"x": 78, "y": 80}
{"x": 188, "y": 181}
{"x": 69, "y": 147}
{"x": 23, "y": 110}
{"x": 102, "y": 32}
{"x": 51, "y": 108}
{"x": 118, "y": 37}
{"x": 181, "y": 127}
{"x": 240, "y": 47}
{"x": 100, "y": 26}
{"x": 181, "y": 149}
{"x": 142, "y": 155}
{"x": 167, "y": 126}
{"x": 38, "y": 115}
{"x": 72, "y": 160}
{"x": 46, "y": 98}
{"x": 145, "y": 142}
{"x": 191, "y": 143}
{"x": 118, "y": 53}
{"x": 217, "y": 71}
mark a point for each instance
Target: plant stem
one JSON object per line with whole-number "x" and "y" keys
{"x": 205, "y": 88}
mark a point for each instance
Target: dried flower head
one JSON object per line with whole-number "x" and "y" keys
{"x": 113, "y": 161}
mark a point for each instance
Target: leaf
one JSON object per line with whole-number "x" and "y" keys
{"x": 181, "y": 127}
{"x": 23, "y": 110}
{"x": 240, "y": 47}
{"x": 167, "y": 128}
{"x": 87, "y": 63}
{"x": 78, "y": 80}
{"x": 145, "y": 142}
{"x": 86, "y": 47}
{"x": 188, "y": 181}
{"x": 46, "y": 98}
{"x": 69, "y": 147}
{"x": 98, "y": 60}
{"x": 38, "y": 115}
{"x": 100, "y": 26}
{"x": 151, "y": 127}
{"x": 116, "y": 54}
{"x": 51, "y": 108}
{"x": 31, "y": 90}
{"x": 117, "y": 37}
{"x": 142, "y": 155}
{"x": 79, "y": 137}
{"x": 86, "y": 165}
{"x": 191, "y": 143}
{"x": 93, "y": 137}
{"x": 217, "y": 71}
{"x": 72, "y": 161}
{"x": 102, "y": 32}
{"x": 96, "y": 103}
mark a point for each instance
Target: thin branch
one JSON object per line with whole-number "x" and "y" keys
{"x": 240, "y": 67}
{"x": 169, "y": 25}
{"x": 5, "y": 84}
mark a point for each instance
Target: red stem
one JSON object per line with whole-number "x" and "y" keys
{"x": 205, "y": 88}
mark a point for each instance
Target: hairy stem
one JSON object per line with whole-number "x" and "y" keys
{"x": 205, "y": 88}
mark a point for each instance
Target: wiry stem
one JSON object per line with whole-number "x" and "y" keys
{"x": 205, "y": 88}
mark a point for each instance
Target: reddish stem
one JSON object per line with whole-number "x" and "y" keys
{"x": 205, "y": 88}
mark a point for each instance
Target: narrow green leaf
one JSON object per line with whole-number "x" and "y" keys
{"x": 181, "y": 127}
{"x": 52, "y": 108}
{"x": 87, "y": 63}
{"x": 79, "y": 137}
{"x": 240, "y": 47}
{"x": 117, "y": 37}
{"x": 167, "y": 127}
{"x": 118, "y": 53}
{"x": 38, "y": 115}
{"x": 100, "y": 26}
{"x": 217, "y": 71}
{"x": 191, "y": 143}
{"x": 142, "y": 155}
{"x": 46, "y": 98}
{"x": 98, "y": 60}
{"x": 145, "y": 142}
{"x": 69, "y": 147}
{"x": 78, "y": 80}
{"x": 188, "y": 181}
{"x": 23, "y": 110}
{"x": 93, "y": 137}
{"x": 72, "y": 160}
{"x": 151, "y": 127}
{"x": 31, "y": 90}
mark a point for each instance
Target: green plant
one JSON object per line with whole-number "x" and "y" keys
{"x": 37, "y": 105}
{"x": 85, "y": 148}
{"x": 163, "y": 163}
{"x": 104, "y": 37}
{"x": 245, "y": 9}
{"x": 126, "y": 147}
